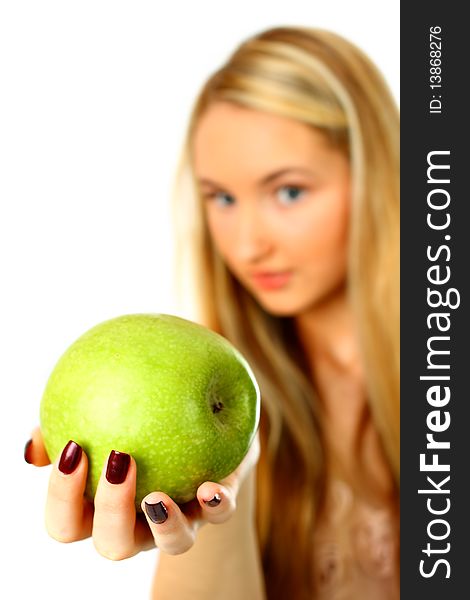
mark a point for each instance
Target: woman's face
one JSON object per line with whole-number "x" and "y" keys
{"x": 276, "y": 198}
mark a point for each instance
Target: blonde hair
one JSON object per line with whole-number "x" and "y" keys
{"x": 320, "y": 79}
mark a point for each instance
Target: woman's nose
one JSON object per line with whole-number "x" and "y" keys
{"x": 253, "y": 235}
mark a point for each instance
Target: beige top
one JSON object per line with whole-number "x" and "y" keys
{"x": 356, "y": 548}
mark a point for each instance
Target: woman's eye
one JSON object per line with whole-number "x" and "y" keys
{"x": 223, "y": 199}
{"x": 289, "y": 194}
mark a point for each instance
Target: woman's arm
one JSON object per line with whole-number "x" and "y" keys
{"x": 224, "y": 561}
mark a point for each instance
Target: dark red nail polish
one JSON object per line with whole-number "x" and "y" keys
{"x": 215, "y": 501}
{"x": 27, "y": 452}
{"x": 118, "y": 465}
{"x": 70, "y": 457}
{"x": 157, "y": 513}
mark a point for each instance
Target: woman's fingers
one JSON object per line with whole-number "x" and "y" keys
{"x": 34, "y": 451}
{"x": 173, "y": 531}
{"x": 68, "y": 514}
{"x": 117, "y": 532}
{"x": 174, "y": 528}
{"x": 217, "y": 501}
{"x": 114, "y": 524}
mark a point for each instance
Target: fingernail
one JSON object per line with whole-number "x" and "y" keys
{"x": 27, "y": 452}
{"x": 118, "y": 465}
{"x": 214, "y": 502}
{"x": 157, "y": 513}
{"x": 70, "y": 458}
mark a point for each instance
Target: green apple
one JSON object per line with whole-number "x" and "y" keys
{"x": 175, "y": 395}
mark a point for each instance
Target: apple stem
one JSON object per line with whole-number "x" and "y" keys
{"x": 217, "y": 407}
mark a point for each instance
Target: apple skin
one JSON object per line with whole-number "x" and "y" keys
{"x": 175, "y": 395}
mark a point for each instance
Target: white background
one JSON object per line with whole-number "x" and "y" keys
{"x": 94, "y": 100}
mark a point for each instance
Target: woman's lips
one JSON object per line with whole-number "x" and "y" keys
{"x": 271, "y": 280}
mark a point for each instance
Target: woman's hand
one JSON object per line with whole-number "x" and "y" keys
{"x": 215, "y": 503}
{"x": 117, "y": 531}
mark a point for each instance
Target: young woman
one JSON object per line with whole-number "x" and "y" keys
{"x": 289, "y": 207}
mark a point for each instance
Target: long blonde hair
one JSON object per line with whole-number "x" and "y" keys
{"x": 321, "y": 79}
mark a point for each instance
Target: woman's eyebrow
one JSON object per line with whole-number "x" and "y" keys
{"x": 284, "y": 171}
{"x": 264, "y": 180}
{"x": 206, "y": 181}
